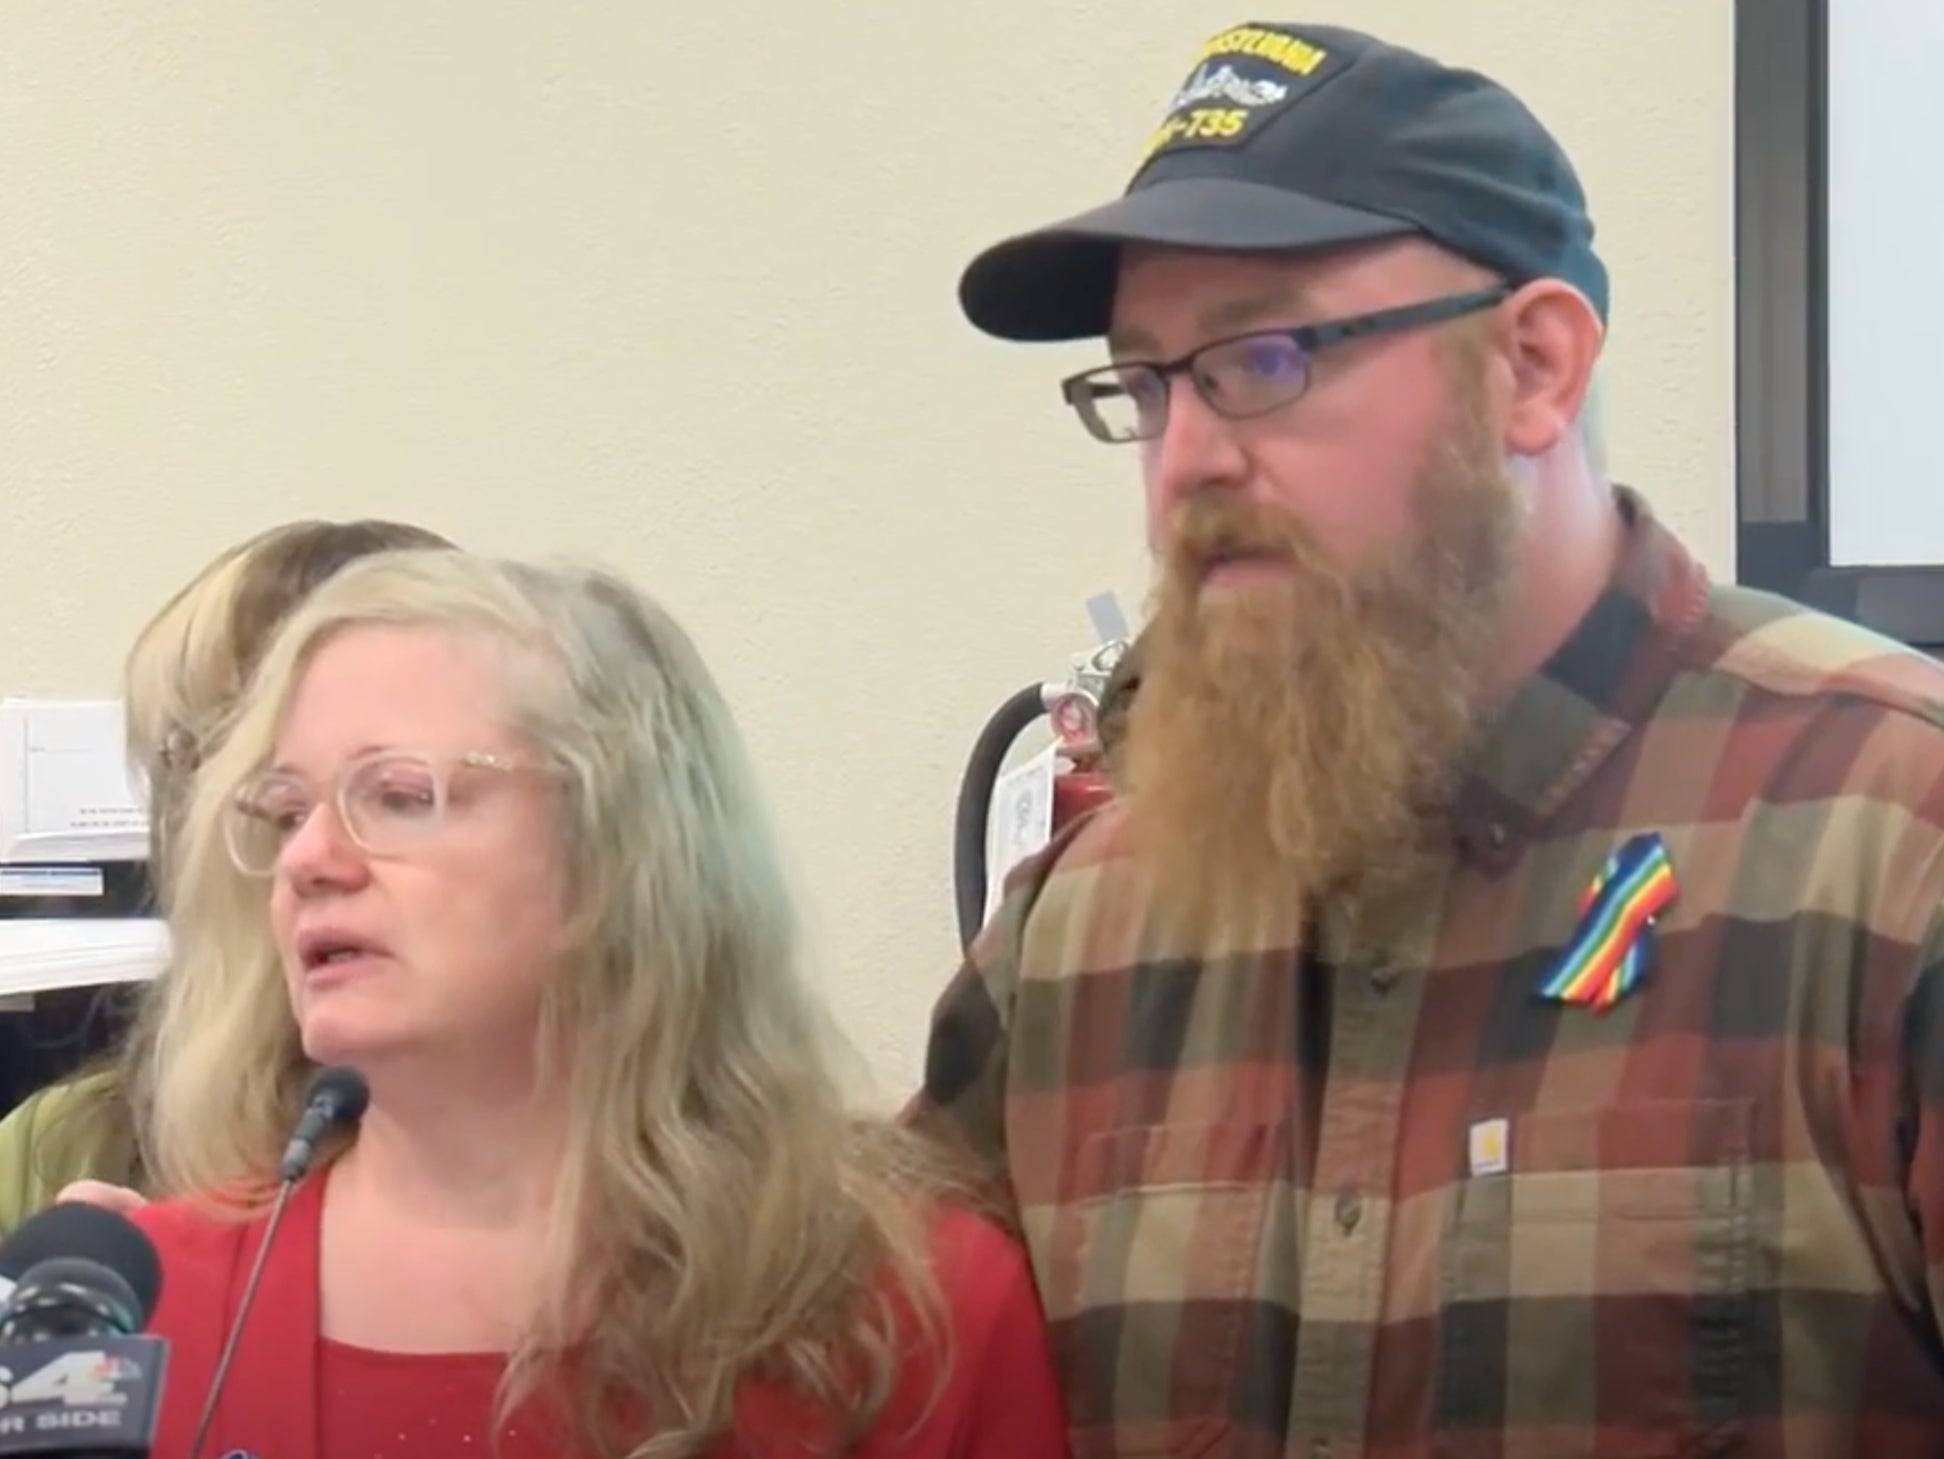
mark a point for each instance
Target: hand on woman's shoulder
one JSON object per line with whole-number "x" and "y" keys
{"x": 117, "y": 1198}
{"x": 191, "y": 1221}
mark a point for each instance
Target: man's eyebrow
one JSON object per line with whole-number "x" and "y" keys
{"x": 1231, "y": 316}
{"x": 1252, "y": 309}
{"x": 1122, "y": 342}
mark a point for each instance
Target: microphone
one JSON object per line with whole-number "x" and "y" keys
{"x": 78, "y": 1227}
{"x": 79, "y": 1378}
{"x": 336, "y": 1100}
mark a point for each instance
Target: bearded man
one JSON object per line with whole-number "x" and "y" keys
{"x": 1505, "y": 1015}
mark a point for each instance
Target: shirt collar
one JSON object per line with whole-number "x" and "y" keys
{"x": 1563, "y": 722}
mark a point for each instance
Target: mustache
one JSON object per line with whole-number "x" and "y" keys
{"x": 1207, "y": 531}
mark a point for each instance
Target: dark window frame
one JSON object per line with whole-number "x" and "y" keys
{"x": 1781, "y": 355}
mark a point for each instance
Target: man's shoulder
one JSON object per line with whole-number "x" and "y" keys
{"x": 1091, "y": 905}
{"x": 1785, "y": 651}
{"x": 1091, "y": 856}
{"x": 1803, "y": 708}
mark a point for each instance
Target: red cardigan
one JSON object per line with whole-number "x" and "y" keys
{"x": 1000, "y": 1401}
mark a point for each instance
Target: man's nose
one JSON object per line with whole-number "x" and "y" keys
{"x": 1197, "y": 451}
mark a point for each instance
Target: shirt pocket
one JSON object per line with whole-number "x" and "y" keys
{"x": 1595, "y": 1287}
{"x": 1151, "y": 1286}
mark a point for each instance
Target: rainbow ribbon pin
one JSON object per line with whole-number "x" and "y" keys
{"x": 1614, "y": 942}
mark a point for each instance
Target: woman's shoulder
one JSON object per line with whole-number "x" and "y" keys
{"x": 986, "y": 1297}
{"x": 981, "y": 1268}
{"x": 196, "y": 1224}
{"x": 29, "y": 1179}
{"x": 201, "y": 1242}
{"x": 976, "y": 1383}
{"x": 51, "y": 1101}
{"x": 992, "y": 1392}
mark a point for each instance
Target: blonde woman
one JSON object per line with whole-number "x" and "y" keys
{"x": 487, "y": 834}
{"x": 185, "y": 672}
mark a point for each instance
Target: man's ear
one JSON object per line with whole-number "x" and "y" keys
{"x": 1550, "y": 338}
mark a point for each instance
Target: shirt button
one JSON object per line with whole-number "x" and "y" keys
{"x": 1319, "y": 1449}
{"x": 1383, "y": 978}
{"x": 1496, "y": 835}
{"x": 1349, "y": 1211}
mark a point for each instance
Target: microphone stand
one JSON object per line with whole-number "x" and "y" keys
{"x": 242, "y": 1315}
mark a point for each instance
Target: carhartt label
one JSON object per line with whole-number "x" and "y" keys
{"x": 1489, "y": 1152}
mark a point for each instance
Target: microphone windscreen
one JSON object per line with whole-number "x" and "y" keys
{"x": 91, "y": 1233}
{"x": 89, "y": 1288}
{"x": 344, "y": 1090}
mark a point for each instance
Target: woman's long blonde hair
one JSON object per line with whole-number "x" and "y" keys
{"x": 185, "y": 672}
{"x": 720, "y": 1209}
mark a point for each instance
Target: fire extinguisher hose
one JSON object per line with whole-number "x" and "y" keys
{"x": 988, "y": 757}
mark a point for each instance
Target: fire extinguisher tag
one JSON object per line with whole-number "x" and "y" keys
{"x": 1022, "y": 819}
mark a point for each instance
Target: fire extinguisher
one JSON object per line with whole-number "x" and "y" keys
{"x": 1072, "y": 707}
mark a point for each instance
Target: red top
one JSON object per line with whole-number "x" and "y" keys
{"x": 293, "y": 1395}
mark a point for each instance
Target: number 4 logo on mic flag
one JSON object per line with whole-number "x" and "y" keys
{"x": 75, "y": 1378}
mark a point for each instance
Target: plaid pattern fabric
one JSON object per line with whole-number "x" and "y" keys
{"x": 1392, "y": 1201}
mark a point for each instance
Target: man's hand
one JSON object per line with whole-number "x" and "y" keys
{"x": 117, "y": 1198}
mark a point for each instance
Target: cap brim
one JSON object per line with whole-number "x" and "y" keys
{"x": 1058, "y": 283}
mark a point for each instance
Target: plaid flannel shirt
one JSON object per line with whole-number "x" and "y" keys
{"x": 1393, "y": 1201}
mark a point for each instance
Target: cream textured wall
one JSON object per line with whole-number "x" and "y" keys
{"x": 671, "y": 284}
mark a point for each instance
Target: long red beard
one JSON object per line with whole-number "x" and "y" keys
{"x": 1298, "y": 736}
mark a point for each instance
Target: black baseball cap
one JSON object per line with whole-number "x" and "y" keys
{"x": 1287, "y": 138}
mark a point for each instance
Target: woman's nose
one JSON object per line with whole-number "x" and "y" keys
{"x": 321, "y": 852}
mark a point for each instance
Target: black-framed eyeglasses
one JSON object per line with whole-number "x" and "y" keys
{"x": 388, "y": 801}
{"x": 1245, "y": 375}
